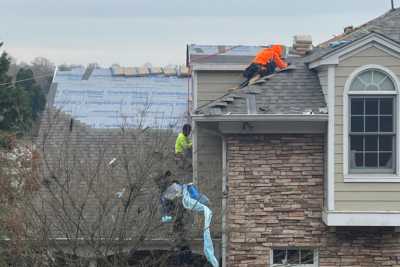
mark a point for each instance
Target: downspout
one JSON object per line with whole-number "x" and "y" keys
{"x": 223, "y": 190}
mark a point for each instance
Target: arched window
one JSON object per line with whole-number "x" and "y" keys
{"x": 372, "y": 134}
{"x": 372, "y": 80}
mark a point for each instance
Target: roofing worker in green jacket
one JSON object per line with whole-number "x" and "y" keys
{"x": 182, "y": 142}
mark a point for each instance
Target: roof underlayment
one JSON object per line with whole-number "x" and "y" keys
{"x": 100, "y": 100}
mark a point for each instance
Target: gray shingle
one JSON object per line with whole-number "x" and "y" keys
{"x": 92, "y": 147}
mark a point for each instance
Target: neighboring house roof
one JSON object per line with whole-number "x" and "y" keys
{"x": 387, "y": 24}
{"x": 46, "y": 89}
{"x": 291, "y": 88}
{"x": 102, "y": 100}
{"x": 60, "y": 138}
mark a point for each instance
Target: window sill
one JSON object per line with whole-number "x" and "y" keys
{"x": 371, "y": 178}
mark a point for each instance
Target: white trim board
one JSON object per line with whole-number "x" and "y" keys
{"x": 274, "y": 127}
{"x": 195, "y": 152}
{"x": 371, "y": 178}
{"x": 261, "y": 117}
{"x": 371, "y": 40}
{"x": 331, "y": 138}
{"x": 218, "y": 67}
{"x": 361, "y": 218}
{"x": 194, "y": 90}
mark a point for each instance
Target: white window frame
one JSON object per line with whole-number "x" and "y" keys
{"x": 369, "y": 177}
{"x": 272, "y": 264}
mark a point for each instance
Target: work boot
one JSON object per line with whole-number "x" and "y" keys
{"x": 234, "y": 89}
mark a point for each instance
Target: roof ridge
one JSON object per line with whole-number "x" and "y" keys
{"x": 328, "y": 50}
{"x": 356, "y": 29}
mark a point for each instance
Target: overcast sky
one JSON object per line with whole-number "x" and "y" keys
{"x": 132, "y": 32}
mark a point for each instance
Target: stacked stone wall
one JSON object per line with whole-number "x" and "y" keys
{"x": 275, "y": 201}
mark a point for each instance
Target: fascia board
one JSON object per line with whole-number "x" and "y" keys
{"x": 261, "y": 117}
{"x": 218, "y": 67}
{"x": 337, "y": 56}
{"x": 314, "y": 64}
{"x": 275, "y": 127}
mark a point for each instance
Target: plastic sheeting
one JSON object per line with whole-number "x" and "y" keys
{"x": 104, "y": 101}
{"x": 173, "y": 192}
{"x": 191, "y": 204}
{"x": 165, "y": 206}
{"x": 166, "y": 219}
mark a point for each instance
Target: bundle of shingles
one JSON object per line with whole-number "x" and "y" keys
{"x": 301, "y": 44}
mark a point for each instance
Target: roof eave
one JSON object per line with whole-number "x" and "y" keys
{"x": 238, "y": 67}
{"x": 261, "y": 117}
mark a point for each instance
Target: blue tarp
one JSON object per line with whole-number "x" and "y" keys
{"x": 195, "y": 194}
{"x": 191, "y": 204}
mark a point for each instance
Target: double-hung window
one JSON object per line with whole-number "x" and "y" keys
{"x": 372, "y": 123}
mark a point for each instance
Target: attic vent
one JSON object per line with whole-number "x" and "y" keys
{"x": 71, "y": 125}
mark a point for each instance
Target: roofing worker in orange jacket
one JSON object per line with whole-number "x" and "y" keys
{"x": 274, "y": 52}
{"x": 263, "y": 64}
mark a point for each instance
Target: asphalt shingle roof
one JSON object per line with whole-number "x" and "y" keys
{"x": 79, "y": 151}
{"x": 299, "y": 88}
{"x": 387, "y": 24}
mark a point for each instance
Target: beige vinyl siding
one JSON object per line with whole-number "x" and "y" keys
{"x": 360, "y": 196}
{"x": 323, "y": 79}
{"x": 214, "y": 84}
{"x": 209, "y": 173}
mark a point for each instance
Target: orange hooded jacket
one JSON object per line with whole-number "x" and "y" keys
{"x": 274, "y": 52}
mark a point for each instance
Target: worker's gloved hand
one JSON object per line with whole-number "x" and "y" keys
{"x": 289, "y": 63}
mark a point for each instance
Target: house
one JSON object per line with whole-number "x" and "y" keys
{"x": 316, "y": 189}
